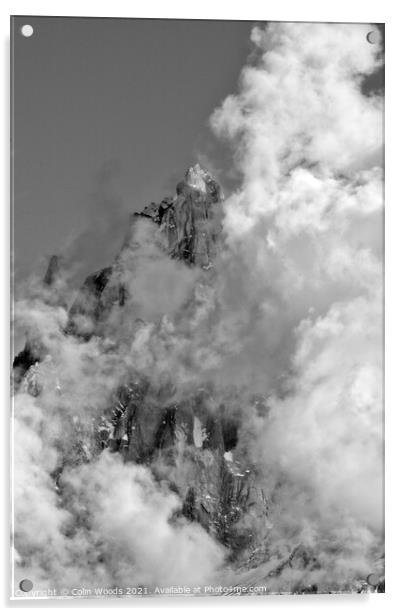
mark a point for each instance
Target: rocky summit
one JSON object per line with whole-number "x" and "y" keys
{"x": 189, "y": 226}
{"x": 186, "y": 441}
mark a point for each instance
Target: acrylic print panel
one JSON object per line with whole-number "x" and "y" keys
{"x": 197, "y": 307}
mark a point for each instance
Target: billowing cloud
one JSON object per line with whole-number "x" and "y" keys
{"x": 305, "y": 228}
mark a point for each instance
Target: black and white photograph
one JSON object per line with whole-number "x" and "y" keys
{"x": 197, "y": 299}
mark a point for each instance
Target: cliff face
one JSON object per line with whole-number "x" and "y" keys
{"x": 190, "y": 221}
{"x": 188, "y": 229}
{"x": 190, "y": 446}
{"x": 185, "y": 439}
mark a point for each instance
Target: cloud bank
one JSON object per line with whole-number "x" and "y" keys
{"x": 307, "y": 223}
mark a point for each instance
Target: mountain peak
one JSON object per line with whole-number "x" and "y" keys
{"x": 202, "y": 182}
{"x": 196, "y": 177}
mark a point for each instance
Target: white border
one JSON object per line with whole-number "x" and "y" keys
{"x": 303, "y": 10}
{"x": 285, "y": 10}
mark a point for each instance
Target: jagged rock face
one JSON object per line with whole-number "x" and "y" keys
{"x": 191, "y": 220}
{"x": 184, "y": 440}
{"x": 32, "y": 353}
{"x": 34, "y": 350}
{"x": 188, "y": 225}
{"x": 186, "y": 444}
{"x": 86, "y": 310}
{"x": 192, "y": 223}
{"x": 52, "y": 272}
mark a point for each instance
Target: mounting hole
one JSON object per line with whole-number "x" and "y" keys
{"x": 27, "y": 30}
{"x": 373, "y": 579}
{"x": 26, "y": 585}
{"x": 373, "y": 37}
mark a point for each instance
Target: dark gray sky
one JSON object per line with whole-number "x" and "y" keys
{"x": 108, "y": 114}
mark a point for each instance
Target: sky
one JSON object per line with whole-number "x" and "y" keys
{"x": 107, "y": 116}
{"x": 116, "y": 106}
